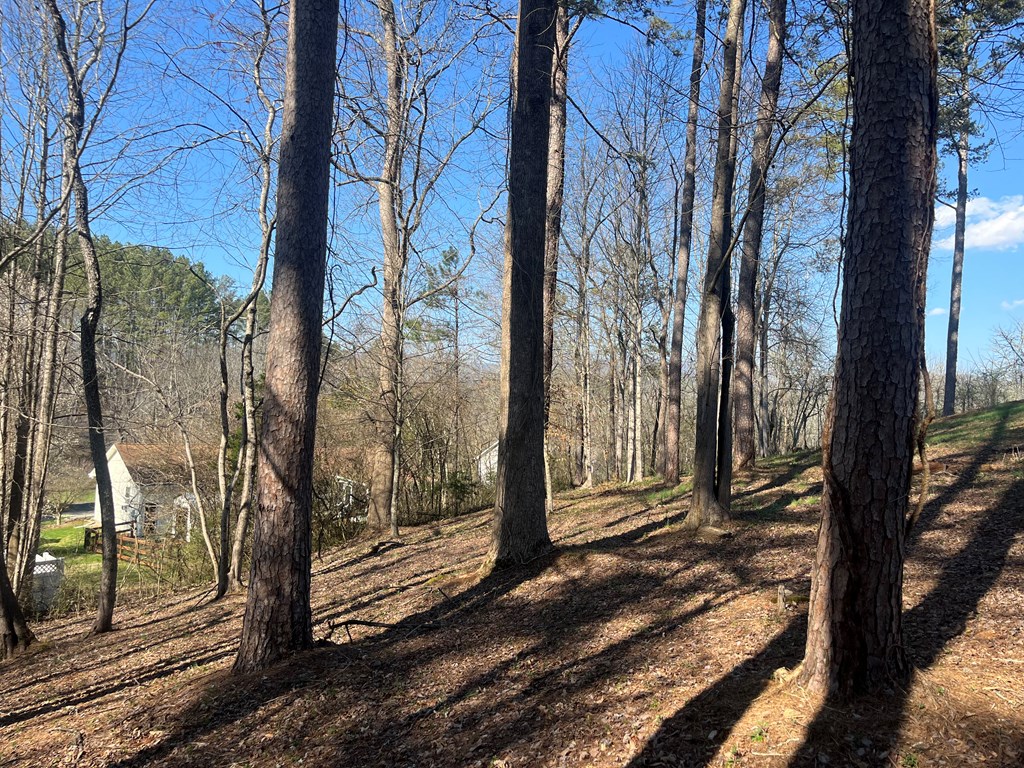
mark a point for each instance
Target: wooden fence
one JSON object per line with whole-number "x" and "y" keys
{"x": 138, "y": 551}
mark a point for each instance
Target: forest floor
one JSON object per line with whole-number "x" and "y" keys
{"x": 635, "y": 644}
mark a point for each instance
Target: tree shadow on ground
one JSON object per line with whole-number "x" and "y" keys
{"x": 929, "y": 627}
{"x": 694, "y": 734}
{"x": 499, "y": 634}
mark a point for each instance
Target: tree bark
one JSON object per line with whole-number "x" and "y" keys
{"x": 520, "y": 530}
{"x": 553, "y": 211}
{"x": 14, "y": 629}
{"x": 74, "y": 125}
{"x": 953, "y": 332}
{"x": 855, "y": 634}
{"x": 675, "y": 366}
{"x": 386, "y": 418}
{"x": 278, "y": 619}
{"x": 745, "y": 445}
{"x": 705, "y": 508}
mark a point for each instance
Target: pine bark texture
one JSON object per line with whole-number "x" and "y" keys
{"x": 675, "y": 365}
{"x": 855, "y": 633}
{"x": 520, "y": 530}
{"x": 705, "y": 508}
{"x": 277, "y": 612}
{"x": 745, "y": 443}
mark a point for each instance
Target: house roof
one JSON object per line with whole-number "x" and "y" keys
{"x": 161, "y": 463}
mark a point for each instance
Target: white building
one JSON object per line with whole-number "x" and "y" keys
{"x": 487, "y": 463}
{"x": 151, "y": 488}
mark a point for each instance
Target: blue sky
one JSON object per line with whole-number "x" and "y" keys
{"x": 993, "y": 282}
{"x": 993, "y": 291}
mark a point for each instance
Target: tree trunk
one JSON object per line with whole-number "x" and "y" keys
{"x": 277, "y": 619}
{"x": 705, "y": 508}
{"x": 583, "y": 374}
{"x": 953, "y": 333}
{"x": 855, "y": 634}
{"x": 16, "y": 634}
{"x": 386, "y": 417}
{"x": 250, "y": 431}
{"x": 675, "y": 365}
{"x": 520, "y": 530}
{"x": 250, "y": 448}
{"x": 555, "y": 192}
{"x": 46, "y": 398}
{"x": 553, "y": 211}
{"x": 745, "y": 446}
{"x": 74, "y": 125}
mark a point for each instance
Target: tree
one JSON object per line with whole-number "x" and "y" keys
{"x": 277, "y": 619}
{"x": 855, "y": 633}
{"x": 712, "y": 329}
{"x": 520, "y": 530}
{"x": 408, "y": 110}
{"x": 553, "y": 214}
{"x": 745, "y": 444}
{"x": 75, "y": 62}
{"x": 975, "y": 41}
{"x": 675, "y": 366}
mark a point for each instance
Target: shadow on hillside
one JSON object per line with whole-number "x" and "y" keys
{"x": 694, "y": 734}
{"x": 134, "y": 665}
{"x": 122, "y": 681}
{"x": 939, "y": 618}
{"x": 965, "y": 478}
{"x": 798, "y": 464}
{"x": 691, "y": 737}
{"x": 488, "y": 630}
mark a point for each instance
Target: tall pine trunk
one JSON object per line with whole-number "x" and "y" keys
{"x": 675, "y": 365}
{"x": 278, "y": 619}
{"x": 520, "y": 530}
{"x": 953, "y": 332}
{"x": 855, "y": 633}
{"x": 745, "y": 445}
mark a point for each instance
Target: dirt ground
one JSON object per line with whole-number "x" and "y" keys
{"x": 633, "y": 645}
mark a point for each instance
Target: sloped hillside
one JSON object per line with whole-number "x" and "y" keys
{"x": 635, "y": 645}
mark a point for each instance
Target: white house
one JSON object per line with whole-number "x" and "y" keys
{"x": 151, "y": 488}
{"x": 487, "y": 463}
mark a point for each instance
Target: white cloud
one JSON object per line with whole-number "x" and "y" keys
{"x": 991, "y": 224}
{"x": 936, "y": 311}
{"x": 1008, "y": 305}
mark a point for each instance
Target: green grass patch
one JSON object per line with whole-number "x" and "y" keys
{"x": 975, "y": 429}
{"x": 67, "y": 541}
{"x": 665, "y": 495}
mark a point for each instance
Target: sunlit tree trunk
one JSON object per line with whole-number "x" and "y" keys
{"x": 705, "y": 508}
{"x": 675, "y": 364}
{"x": 855, "y": 633}
{"x": 278, "y": 619}
{"x": 553, "y": 213}
{"x": 74, "y": 126}
{"x": 387, "y": 417}
{"x": 745, "y": 446}
{"x": 520, "y": 530}
{"x": 953, "y": 331}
